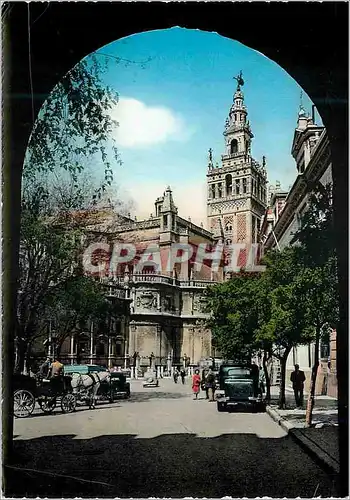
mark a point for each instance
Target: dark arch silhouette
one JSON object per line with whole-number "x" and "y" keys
{"x": 317, "y": 63}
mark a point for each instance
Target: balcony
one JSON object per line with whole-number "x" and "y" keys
{"x": 196, "y": 283}
{"x": 233, "y": 155}
{"x": 115, "y": 286}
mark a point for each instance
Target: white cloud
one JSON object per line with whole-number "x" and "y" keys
{"x": 141, "y": 125}
{"x": 189, "y": 198}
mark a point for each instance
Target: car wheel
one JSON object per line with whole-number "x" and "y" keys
{"x": 221, "y": 407}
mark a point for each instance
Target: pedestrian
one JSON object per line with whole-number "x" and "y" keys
{"x": 255, "y": 376}
{"x": 298, "y": 378}
{"x": 204, "y": 385}
{"x": 183, "y": 375}
{"x": 176, "y": 375}
{"x": 210, "y": 384}
{"x": 196, "y": 384}
{"x": 261, "y": 381}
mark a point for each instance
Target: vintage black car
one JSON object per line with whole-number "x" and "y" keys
{"x": 239, "y": 386}
{"x": 116, "y": 386}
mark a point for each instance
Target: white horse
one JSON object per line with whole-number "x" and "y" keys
{"x": 88, "y": 385}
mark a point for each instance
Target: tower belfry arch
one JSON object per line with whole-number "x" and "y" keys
{"x": 236, "y": 189}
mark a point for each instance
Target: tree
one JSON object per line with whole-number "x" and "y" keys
{"x": 53, "y": 237}
{"x": 318, "y": 282}
{"x": 47, "y": 258}
{"x": 73, "y": 125}
{"x": 318, "y": 287}
{"x": 233, "y": 316}
{"x": 286, "y": 325}
{"x": 72, "y": 304}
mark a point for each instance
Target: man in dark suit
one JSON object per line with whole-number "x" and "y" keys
{"x": 298, "y": 378}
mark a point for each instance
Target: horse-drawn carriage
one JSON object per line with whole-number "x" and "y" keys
{"x": 93, "y": 382}
{"x": 47, "y": 393}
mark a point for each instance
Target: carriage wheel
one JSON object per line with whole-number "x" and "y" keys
{"x": 23, "y": 403}
{"x": 68, "y": 403}
{"x": 47, "y": 404}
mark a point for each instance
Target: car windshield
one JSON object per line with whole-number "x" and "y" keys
{"x": 236, "y": 372}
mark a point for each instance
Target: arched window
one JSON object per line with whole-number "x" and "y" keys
{"x": 233, "y": 146}
{"x": 244, "y": 185}
{"x": 228, "y": 182}
{"x": 213, "y": 191}
{"x": 220, "y": 190}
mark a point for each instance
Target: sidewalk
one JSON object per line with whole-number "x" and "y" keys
{"x": 320, "y": 440}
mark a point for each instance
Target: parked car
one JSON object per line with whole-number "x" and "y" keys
{"x": 118, "y": 386}
{"x": 238, "y": 386}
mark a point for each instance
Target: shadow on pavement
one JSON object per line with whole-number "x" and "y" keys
{"x": 139, "y": 397}
{"x": 169, "y": 465}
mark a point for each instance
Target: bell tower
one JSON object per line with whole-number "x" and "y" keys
{"x": 236, "y": 190}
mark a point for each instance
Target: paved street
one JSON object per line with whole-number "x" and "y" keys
{"x": 161, "y": 443}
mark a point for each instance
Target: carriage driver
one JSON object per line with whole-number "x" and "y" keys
{"x": 56, "y": 369}
{"x": 56, "y": 372}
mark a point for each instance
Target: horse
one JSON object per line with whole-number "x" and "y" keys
{"x": 89, "y": 384}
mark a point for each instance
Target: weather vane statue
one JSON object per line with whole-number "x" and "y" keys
{"x": 240, "y": 81}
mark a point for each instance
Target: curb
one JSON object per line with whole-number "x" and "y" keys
{"x": 286, "y": 426}
{"x": 309, "y": 446}
{"x": 315, "y": 451}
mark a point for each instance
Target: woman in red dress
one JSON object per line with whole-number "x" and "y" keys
{"x": 196, "y": 384}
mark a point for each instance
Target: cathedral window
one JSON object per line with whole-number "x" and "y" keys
{"x": 244, "y": 185}
{"x": 213, "y": 191}
{"x": 220, "y": 190}
{"x": 233, "y": 146}
{"x": 238, "y": 186}
{"x": 228, "y": 180}
{"x": 165, "y": 221}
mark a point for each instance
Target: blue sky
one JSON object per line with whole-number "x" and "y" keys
{"x": 174, "y": 109}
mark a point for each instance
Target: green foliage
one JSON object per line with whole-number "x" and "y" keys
{"x": 283, "y": 325}
{"x": 316, "y": 232}
{"x": 233, "y": 317}
{"x": 75, "y": 124}
{"x": 73, "y": 303}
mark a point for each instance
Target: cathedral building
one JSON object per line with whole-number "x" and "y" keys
{"x": 160, "y": 312}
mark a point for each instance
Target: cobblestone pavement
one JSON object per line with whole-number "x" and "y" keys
{"x": 160, "y": 443}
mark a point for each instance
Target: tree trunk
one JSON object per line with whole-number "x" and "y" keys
{"x": 311, "y": 398}
{"x": 266, "y": 358}
{"x": 20, "y": 350}
{"x": 282, "y": 394}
